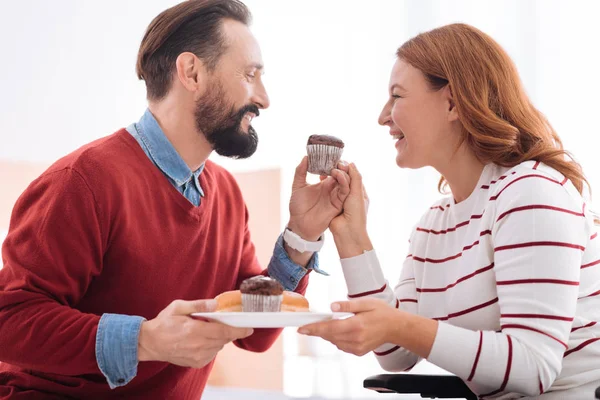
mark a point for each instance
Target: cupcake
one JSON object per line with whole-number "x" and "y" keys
{"x": 261, "y": 294}
{"x": 324, "y": 153}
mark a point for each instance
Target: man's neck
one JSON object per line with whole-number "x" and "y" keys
{"x": 181, "y": 131}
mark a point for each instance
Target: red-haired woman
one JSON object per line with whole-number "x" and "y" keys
{"x": 501, "y": 284}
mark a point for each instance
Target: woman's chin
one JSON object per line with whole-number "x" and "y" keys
{"x": 401, "y": 161}
{"x": 404, "y": 162}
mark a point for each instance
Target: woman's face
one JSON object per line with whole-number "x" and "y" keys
{"x": 420, "y": 119}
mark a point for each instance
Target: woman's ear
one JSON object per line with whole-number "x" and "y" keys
{"x": 452, "y": 111}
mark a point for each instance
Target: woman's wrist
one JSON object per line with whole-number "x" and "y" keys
{"x": 352, "y": 244}
{"x": 412, "y": 332}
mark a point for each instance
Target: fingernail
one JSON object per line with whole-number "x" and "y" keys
{"x": 343, "y": 163}
{"x": 249, "y": 332}
{"x": 335, "y": 307}
{"x": 303, "y": 331}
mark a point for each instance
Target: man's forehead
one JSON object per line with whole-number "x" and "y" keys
{"x": 242, "y": 44}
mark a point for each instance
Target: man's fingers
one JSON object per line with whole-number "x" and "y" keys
{"x": 183, "y": 307}
{"x": 239, "y": 333}
{"x": 215, "y": 330}
{"x": 300, "y": 174}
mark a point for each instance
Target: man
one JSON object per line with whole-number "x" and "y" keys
{"x": 111, "y": 247}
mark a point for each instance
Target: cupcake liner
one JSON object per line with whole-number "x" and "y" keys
{"x": 323, "y": 158}
{"x": 261, "y": 303}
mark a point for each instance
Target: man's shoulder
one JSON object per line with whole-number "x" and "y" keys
{"x": 100, "y": 158}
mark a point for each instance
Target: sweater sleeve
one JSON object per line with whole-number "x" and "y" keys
{"x": 52, "y": 252}
{"x": 364, "y": 277}
{"x": 539, "y": 233}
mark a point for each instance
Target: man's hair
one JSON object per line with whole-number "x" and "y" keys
{"x": 192, "y": 26}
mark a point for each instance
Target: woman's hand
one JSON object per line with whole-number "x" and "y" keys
{"x": 349, "y": 229}
{"x": 375, "y": 323}
{"x": 370, "y": 327}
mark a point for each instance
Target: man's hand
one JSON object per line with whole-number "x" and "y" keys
{"x": 312, "y": 207}
{"x": 177, "y": 338}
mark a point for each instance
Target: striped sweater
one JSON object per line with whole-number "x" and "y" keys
{"x": 512, "y": 274}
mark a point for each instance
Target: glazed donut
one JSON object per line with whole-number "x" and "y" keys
{"x": 232, "y": 302}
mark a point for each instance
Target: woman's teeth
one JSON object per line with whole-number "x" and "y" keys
{"x": 398, "y": 136}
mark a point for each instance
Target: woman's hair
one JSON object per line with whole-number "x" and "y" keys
{"x": 499, "y": 122}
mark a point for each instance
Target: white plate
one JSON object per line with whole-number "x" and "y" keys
{"x": 270, "y": 319}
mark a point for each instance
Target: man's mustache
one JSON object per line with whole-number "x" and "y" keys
{"x": 250, "y": 108}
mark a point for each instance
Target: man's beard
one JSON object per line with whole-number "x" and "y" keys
{"x": 222, "y": 124}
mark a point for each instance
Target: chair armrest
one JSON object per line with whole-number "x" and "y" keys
{"x": 428, "y": 386}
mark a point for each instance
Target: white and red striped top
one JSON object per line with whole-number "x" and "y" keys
{"x": 513, "y": 275}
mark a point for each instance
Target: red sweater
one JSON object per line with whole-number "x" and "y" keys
{"x": 103, "y": 231}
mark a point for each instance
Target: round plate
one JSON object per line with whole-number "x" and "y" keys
{"x": 270, "y": 319}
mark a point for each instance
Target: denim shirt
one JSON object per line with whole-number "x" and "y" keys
{"x": 117, "y": 335}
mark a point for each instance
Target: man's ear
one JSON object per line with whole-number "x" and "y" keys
{"x": 191, "y": 72}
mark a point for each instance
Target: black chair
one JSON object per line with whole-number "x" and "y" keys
{"x": 428, "y": 386}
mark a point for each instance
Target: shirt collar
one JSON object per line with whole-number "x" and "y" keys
{"x": 164, "y": 154}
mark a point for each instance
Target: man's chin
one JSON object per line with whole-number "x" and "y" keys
{"x": 236, "y": 155}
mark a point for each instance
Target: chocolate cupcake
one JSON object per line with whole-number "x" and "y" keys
{"x": 261, "y": 294}
{"x": 324, "y": 153}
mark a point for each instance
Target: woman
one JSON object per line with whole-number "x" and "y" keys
{"x": 501, "y": 285}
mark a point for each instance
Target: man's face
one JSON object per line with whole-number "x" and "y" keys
{"x": 234, "y": 95}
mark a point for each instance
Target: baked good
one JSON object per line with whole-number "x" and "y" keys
{"x": 261, "y": 294}
{"x": 294, "y": 302}
{"x": 232, "y": 302}
{"x": 324, "y": 153}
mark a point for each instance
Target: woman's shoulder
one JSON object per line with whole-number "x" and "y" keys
{"x": 535, "y": 173}
{"x": 536, "y": 168}
{"x": 533, "y": 182}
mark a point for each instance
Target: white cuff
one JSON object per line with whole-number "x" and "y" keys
{"x": 362, "y": 273}
{"x": 454, "y": 349}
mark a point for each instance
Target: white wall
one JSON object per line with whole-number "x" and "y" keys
{"x": 67, "y": 76}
